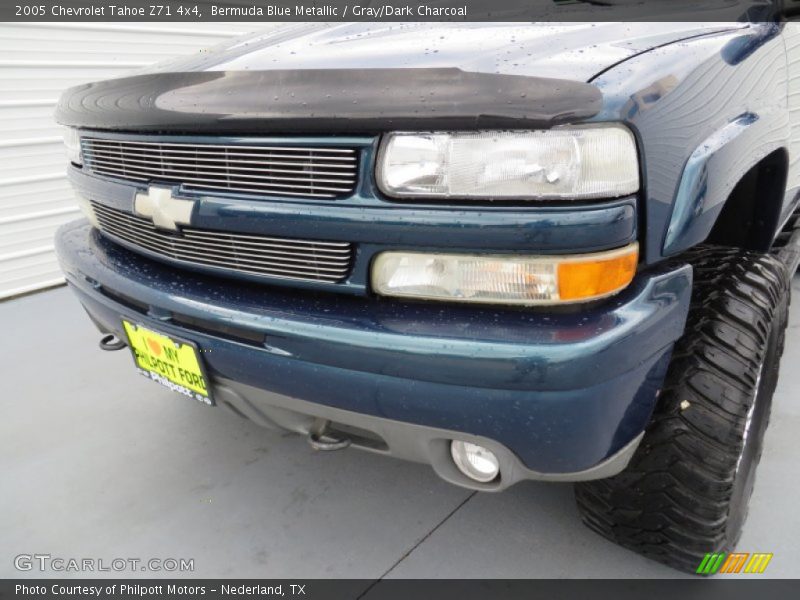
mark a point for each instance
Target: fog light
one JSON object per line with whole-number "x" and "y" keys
{"x": 474, "y": 461}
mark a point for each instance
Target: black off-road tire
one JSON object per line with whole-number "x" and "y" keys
{"x": 687, "y": 487}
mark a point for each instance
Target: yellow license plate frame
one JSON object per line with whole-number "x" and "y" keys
{"x": 173, "y": 362}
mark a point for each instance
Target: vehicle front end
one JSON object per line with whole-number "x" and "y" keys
{"x": 444, "y": 264}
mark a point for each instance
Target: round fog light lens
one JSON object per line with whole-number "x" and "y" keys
{"x": 474, "y": 461}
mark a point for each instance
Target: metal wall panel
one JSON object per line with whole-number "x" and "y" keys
{"x": 37, "y": 61}
{"x": 792, "y": 37}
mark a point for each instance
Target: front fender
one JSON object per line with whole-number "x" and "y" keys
{"x": 705, "y": 111}
{"x": 713, "y": 170}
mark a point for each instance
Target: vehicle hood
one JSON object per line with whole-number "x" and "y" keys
{"x": 368, "y": 79}
{"x": 574, "y": 51}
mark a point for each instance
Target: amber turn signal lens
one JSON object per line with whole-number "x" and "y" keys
{"x": 592, "y": 277}
{"x": 503, "y": 278}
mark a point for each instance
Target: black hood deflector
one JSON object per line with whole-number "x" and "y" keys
{"x": 335, "y": 101}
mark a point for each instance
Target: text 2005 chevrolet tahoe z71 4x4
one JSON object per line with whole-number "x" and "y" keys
{"x": 569, "y": 266}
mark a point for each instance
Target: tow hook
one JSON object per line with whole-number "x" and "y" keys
{"x": 111, "y": 342}
{"x": 321, "y": 438}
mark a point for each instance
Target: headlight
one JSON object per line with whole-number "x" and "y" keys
{"x": 72, "y": 143}
{"x": 562, "y": 163}
{"x": 507, "y": 279}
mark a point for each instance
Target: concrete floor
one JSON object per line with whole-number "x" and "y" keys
{"x": 98, "y": 462}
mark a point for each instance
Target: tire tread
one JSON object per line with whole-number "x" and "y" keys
{"x": 672, "y": 502}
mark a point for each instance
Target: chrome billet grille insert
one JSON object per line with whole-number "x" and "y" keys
{"x": 295, "y": 171}
{"x": 265, "y": 256}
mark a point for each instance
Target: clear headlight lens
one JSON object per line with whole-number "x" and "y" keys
{"x": 504, "y": 279}
{"x": 72, "y": 144}
{"x": 562, "y": 163}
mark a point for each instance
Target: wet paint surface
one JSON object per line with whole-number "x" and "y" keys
{"x": 681, "y": 97}
{"x": 563, "y": 391}
{"x": 370, "y": 78}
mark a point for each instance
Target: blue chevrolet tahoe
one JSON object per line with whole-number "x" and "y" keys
{"x": 510, "y": 251}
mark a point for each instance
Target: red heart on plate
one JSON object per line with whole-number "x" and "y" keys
{"x": 155, "y": 347}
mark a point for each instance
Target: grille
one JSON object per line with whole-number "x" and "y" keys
{"x": 263, "y": 170}
{"x": 235, "y": 252}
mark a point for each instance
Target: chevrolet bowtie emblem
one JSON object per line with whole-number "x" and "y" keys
{"x": 160, "y": 205}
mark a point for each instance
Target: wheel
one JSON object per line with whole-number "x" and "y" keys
{"x": 687, "y": 487}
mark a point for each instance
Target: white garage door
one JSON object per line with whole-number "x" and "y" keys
{"x": 37, "y": 61}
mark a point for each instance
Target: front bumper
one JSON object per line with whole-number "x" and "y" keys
{"x": 557, "y": 395}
